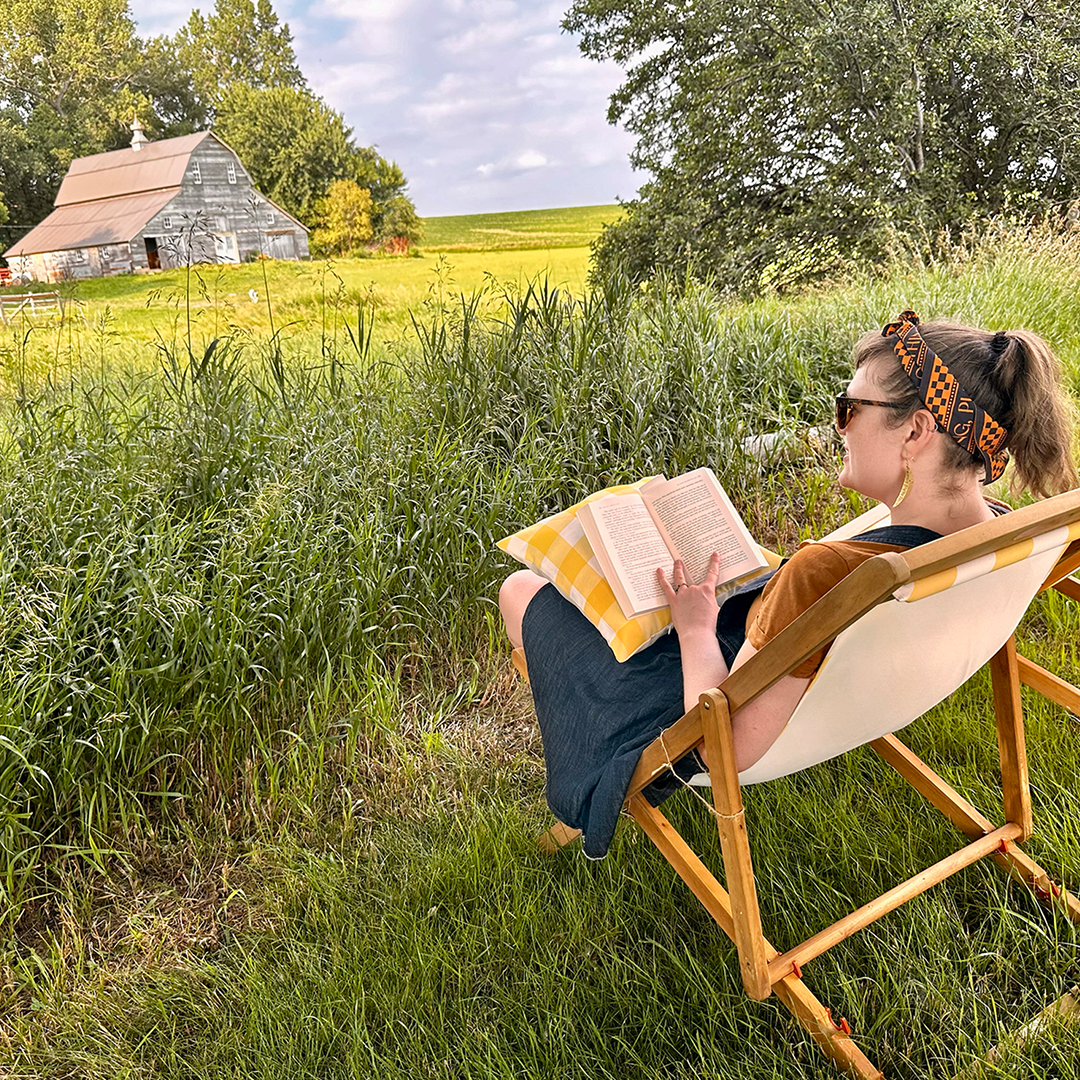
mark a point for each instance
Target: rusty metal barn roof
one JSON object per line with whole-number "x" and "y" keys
{"x": 126, "y": 172}
{"x": 108, "y": 198}
{"x": 88, "y": 224}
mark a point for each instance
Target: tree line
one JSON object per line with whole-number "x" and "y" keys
{"x": 784, "y": 138}
{"x": 73, "y": 73}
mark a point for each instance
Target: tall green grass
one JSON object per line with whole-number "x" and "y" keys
{"x": 247, "y": 590}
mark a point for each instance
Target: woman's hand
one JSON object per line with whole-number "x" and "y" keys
{"x": 693, "y": 613}
{"x": 693, "y": 607}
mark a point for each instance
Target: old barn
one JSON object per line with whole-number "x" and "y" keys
{"x": 154, "y": 206}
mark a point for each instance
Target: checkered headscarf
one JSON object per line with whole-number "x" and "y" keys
{"x": 956, "y": 413}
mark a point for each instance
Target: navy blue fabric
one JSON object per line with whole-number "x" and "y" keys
{"x": 596, "y": 715}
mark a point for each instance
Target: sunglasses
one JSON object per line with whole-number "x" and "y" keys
{"x": 846, "y": 407}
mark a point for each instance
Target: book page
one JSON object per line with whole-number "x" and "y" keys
{"x": 696, "y": 518}
{"x": 629, "y": 548}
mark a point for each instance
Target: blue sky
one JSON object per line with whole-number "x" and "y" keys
{"x": 485, "y": 104}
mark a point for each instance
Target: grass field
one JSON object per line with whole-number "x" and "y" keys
{"x": 489, "y": 253}
{"x": 575, "y": 226}
{"x": 269, "y": 788}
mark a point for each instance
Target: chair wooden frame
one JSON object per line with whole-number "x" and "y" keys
{"x": 765, "y": 969}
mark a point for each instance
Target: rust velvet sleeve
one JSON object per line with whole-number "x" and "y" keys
{"x": 806, "y": 577}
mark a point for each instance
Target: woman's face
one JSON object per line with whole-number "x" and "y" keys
{"x": 873, "y": 459}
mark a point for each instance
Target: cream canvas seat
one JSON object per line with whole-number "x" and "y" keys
{"x": 907, "y": 629}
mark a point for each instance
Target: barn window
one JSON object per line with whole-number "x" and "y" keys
{"x": 78, "y": 255}
{"x": 231, "y": 170}
{"x": 166, "y": 222}
{"x": 270, "y": 217}
{"x": 196, "y": 172}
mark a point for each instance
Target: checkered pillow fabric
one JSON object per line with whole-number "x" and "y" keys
{"x": 557, "y": 549}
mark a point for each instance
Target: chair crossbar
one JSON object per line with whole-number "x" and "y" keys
{"x": 1068, "y": 564}
{"x": 888, "y": 901}
{"x": 1049, "y": 685}
{"x": 1069, "y": 587}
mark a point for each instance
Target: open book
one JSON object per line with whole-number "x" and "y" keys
{"x": 687, "y": 518}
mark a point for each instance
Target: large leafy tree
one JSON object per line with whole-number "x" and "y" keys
{"x": 785, "y": 134}
{"x": 293, "y": 144}
{"x": 241, "y": 42}
{"x": 72, "y": 74}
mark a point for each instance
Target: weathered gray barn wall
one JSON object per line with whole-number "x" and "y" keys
{"x": 220, "y": 215}
{"x": 215, "y": 215}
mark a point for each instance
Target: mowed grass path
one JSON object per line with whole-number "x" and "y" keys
{"x": 460, "y": 255}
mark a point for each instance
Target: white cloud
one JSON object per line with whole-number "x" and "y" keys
{"x": 530, "y": 159}
{"x": 440, "y": 85}
{"x": 516, "y": 163}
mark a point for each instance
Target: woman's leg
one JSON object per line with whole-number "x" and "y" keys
{"x": 514, "y": 596}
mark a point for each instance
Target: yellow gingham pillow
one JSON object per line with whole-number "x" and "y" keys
{"x": 557, "y": 549}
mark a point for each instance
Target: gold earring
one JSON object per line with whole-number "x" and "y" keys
{"x": 905, "y": 487}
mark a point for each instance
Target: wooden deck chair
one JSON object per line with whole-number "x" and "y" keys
{"x": 940, "y": 611}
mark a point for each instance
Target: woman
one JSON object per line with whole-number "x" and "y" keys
{"x": 932, "y": 413}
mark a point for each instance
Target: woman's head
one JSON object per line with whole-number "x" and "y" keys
{"x": 1012, "y": 375}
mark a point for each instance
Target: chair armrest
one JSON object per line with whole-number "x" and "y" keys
{"x": 988, "y": 536}
{"x": 864, "y": 588}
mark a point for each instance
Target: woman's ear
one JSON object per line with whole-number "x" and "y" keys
{"x": 922, "y": 428}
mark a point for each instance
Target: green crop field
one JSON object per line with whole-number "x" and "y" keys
{"x": 575, "y": 226}
{"x": 489, "y": 253}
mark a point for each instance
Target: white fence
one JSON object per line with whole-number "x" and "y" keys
{"x": 43, "y": 305}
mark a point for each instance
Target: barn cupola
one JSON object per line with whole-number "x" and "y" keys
{"x": 138, "y": 136}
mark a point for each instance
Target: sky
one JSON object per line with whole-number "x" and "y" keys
{"x": 485, "y": 104}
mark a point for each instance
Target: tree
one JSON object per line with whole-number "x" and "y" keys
{"x": 292, "y": 143}
{"x": 25, "y": 177}
{"x": 72, "y": 76}
{"x": 784, "y": 135}
{"x": 398, "y": 221}
{"x": 295, "y": 146}
{"x": 344, "y": 216}
{"x": 240, "y": 42}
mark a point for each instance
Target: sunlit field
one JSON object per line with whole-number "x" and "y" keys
{"x": 460, "y": 255}
{"x": 269, "y": 788}
{"x": 576, "y": 226}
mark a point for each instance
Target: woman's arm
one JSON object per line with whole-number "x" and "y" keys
{"x": 693, "y": 612}
{"x": 755, "y": 727}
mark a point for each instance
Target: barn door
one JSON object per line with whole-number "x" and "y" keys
{"x": 281, "y": 245}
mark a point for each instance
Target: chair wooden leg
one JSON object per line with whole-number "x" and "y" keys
{"x": 970, "y": 821}
{"x": 1049, "y": 685}
{"x": 1005, "y": 676}
{"x": 1019, "y": 865}
{"x": 558, "y": 836}
{"x": 731, "y": 823}
{"x": 803, "y": 1005}
{"x": 818, "y": 1021}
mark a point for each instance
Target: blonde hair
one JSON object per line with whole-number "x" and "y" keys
{"x": 1015, "y": 377}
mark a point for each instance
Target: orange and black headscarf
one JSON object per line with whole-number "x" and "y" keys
{"x": 956, "y": 412}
